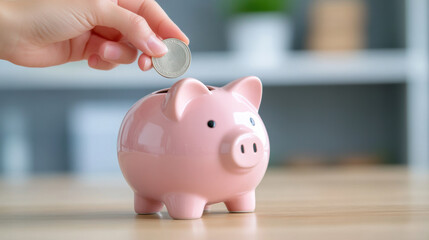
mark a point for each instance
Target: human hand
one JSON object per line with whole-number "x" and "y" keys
{"x": 40, "y": 33}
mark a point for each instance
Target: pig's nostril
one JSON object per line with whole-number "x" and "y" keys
{"x": 242, "y": 148}
{"x": 254, "y": 147}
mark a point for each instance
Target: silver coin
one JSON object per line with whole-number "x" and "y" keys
{"x": 175, "y": 62}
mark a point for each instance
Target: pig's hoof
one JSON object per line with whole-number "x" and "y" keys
{"x": 144, "y": 205}
{"x": 242, "y": 204}
{"x": 184, "y": 206}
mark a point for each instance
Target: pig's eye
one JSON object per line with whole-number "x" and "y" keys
{"x": 252, "y": 121}
{"x": 211, "y": 124}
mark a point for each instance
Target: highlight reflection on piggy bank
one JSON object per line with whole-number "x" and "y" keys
{"x": 194, "y": 145}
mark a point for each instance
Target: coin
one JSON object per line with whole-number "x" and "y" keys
{"x": 175, "y": 62}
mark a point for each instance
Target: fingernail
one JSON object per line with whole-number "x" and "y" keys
{"x": 111, "y": 53}
{"x": 187, "y": 38}
{"x": 147, "y": 64}
{"x": 156, "y": 46}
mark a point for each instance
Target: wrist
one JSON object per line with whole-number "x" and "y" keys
{"x": 5, "y": 29}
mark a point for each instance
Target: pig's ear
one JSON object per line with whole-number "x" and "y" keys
{"x": 248, "y": 87}
{"x": 180, "y": 95}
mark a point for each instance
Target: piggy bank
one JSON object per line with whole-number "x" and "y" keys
{"x": 194, "y": 145}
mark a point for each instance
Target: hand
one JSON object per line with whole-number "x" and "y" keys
{"x": 40, "y": 33}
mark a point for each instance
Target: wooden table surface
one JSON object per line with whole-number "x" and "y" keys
{"x": 327, "y": 203}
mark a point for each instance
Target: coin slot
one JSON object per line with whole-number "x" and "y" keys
{"x": 162, "y": 91}
{"x": 210, "y": 88}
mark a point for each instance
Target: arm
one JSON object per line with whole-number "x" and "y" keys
{"x": 6, "y": 33}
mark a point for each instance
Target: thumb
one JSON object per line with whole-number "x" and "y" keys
{"x": 133, "y": 26}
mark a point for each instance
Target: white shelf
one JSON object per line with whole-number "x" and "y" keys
{"x": 300, "y": 68}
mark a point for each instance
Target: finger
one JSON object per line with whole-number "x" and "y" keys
{"x": 109, "y": 51}
{"x": 145, "y": 62}
{"x": 134, "y": 27}
{"x": 108, "y": 33}
{"x": 159, "y": 21}
{"x": 94, "y": 61}
{"x": 117, "y": 52}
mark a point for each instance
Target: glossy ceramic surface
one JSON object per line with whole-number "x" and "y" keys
{"x": 193, "y": 145}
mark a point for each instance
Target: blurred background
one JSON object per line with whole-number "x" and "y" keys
{"x": 345, "y": 83}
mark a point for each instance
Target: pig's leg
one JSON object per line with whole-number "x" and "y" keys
{"x": 144, "y": 205}
{"x": 242, "y": 203}
{"x": 184, "y": 206}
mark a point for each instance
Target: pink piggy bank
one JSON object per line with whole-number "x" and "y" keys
{"x": 194, "y": 145}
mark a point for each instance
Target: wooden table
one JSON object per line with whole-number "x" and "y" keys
{"x": 327, "y": 203}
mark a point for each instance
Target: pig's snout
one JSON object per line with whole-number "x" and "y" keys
{"x": 244, "y": 149}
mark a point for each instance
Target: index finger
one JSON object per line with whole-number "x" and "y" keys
{"x": 156, "y": 17}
